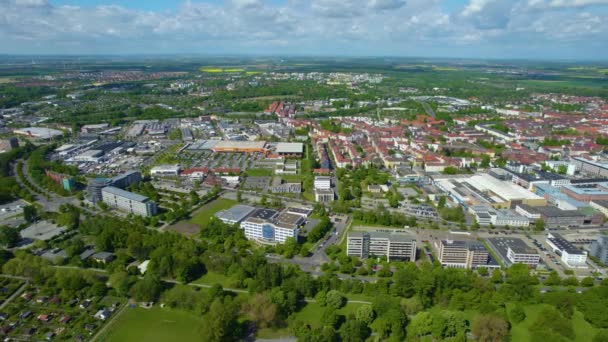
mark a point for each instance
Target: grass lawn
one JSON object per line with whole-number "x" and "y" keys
{"x": 151, "y": 325}
{"x": 212, "y": 278}
{"x": 205, "y": 213}
{"x": 582, "y": 329}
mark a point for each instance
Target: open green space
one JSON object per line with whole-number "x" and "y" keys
{"x": 206, "y": 212}
{"x": 151, "y": 325}
{"x": 313, "y": 312}
{"x": 212, "y": 278}
{"x": 259, "y": 172}
{"x": 519, "y": 331}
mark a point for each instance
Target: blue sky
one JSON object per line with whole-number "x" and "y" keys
{"x": 530, "y": 29}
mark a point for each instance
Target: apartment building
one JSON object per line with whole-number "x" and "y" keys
{"x": 395, "y": 246}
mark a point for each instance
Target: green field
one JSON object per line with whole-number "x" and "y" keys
{"x": 583, "y": 330}
{"x": 206, "y": 212}
{"x": 153, "y": 325}
{"x": 212, "y": 278}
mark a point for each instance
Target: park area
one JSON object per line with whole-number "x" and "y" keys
{"x": 152, "y": 325}
{"x": 201, "y": 217}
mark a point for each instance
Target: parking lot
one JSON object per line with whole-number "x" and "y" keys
{"x": 212, "y": 160}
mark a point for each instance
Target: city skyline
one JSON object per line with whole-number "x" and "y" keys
{"x": 485, "y": 29}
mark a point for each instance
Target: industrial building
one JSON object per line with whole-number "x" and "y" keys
{"x": 590, "y": 167}
{"x": 484, "y": 189}
{"x": 394, "y": 246}
{"x": 128, "y": 201}
{"x": 236, "y": 214}
{"x": 513, "y": 250}
{"x": 42, "y": 133}
{"x": 290, "y": 149}
{"x": 553, "y": 217}
{"x": 486, "y": 215}
{"x": 239, "y": 146}
{"x": 570, "y": 255}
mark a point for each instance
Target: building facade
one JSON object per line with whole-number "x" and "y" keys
{"x": 393, "y": 246}
{"x": 463, "y": 254}
{"x": 128, "y": 201}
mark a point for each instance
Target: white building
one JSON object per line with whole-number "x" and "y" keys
{"x": 128, "y": 201}
{"x": 570, "y": 255}
{"x": 375, "y": 244}
{"x": 165, "y": 170}
{"x": 322, "y": 183}
{"x": 275, "y": 230}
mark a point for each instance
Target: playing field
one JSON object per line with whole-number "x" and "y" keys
{"x": 152, "y": 325}
{"x": 205, "y": 213}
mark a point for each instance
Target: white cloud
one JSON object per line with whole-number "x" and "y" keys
{"x": 341, "y": 26}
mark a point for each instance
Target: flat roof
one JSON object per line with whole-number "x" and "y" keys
{"x": 563, "y": 244}
{"x": 236, "y": 213}
{"x": 470, "y": 245}
{"x": 286, "y": 218}
{"x": 126, "y": 194}
{"x": 39, "y": 132}
{"x": 294, "y": 147}
{"x": 264, "y": 213}
{"x": 396, "y": 236}
{"x": 228, "y": 144}
{"x": 517, "y": 245}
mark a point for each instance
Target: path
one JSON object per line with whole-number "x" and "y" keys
{"x": 15, "y": 294}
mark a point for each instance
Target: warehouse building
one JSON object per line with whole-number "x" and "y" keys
{"x": 290, "y": 149}
{"x": 570, "y": 255}
{"x": 128, "y": 201}
{"x": 165, "y": 171}
{"x": 394, "y": 246}
{"x": 239, "y": 146}
{"x": 513, "y": 250}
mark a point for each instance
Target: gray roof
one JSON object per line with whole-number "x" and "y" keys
{"x": 122, "y": 193}
{"x": 396, "y": 236}
{"x": 236, "y": 213}
{"x": 283, "y": 147}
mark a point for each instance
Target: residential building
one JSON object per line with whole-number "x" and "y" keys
{"x": 394, "y": 246}
{"x": 128, "y": 201}
{"x": 570, "y": 255}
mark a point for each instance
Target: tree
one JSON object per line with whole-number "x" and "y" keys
{"x": 601, "y": 336}
{"x": 539, "y": 225}
{"x": 239, "y": 196}
{"x": 517, "y": 314}
{"x": 365, "y": 314}
{"x": 489, "y": 328}
{"x": 220, "y": 323}
{"x": 553, "y": 279}
{"x": 120, "y": 282}
{"x": 9, "y": 236}
{"x": 550, "y": 322}
{"x": 30, "y": 214}
{"x": 146, "y": 289}
{"x": 354, "y": 330}
{"x": 334, "y": 299}
{"x": 588, "y": 282}
{"x": 261, "y": 310}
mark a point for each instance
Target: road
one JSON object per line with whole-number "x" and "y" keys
{"x": 428, "y": 109}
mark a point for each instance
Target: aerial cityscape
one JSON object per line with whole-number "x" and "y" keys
{"x": 304, "y": 183}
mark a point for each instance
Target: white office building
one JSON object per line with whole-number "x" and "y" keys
{"x": 376, "y": 244}
{"x": 322, "y": 183}
{"x": 273, "y": 230}
{"x": 128, "y": 201}
{"x": 165, "y": 171}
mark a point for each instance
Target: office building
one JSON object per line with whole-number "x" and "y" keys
{"x": 394, "y": 246}
{"x": 267, "y": 227}
{"x": 599, "y": 249}
{"x": 464, "y": 254}
{"x": 165, "y": 171}
{"x": 570, "y": 255}
{"x": 322, "y": 182}
{"x": 128, "y": 201}
{"x": 124, "y": 180}
{"x": 95, "y": 187}
{"x": 324, "y": 195}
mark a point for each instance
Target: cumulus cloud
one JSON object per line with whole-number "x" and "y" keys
{"x": 371, "y": 27}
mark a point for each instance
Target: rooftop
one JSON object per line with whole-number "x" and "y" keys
{"x": 236, "y": 213}
{"x": 284, "y": 147}
{"x": 120, "y": 192}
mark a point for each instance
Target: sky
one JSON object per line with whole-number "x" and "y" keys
{"x": 485, "y": 29}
